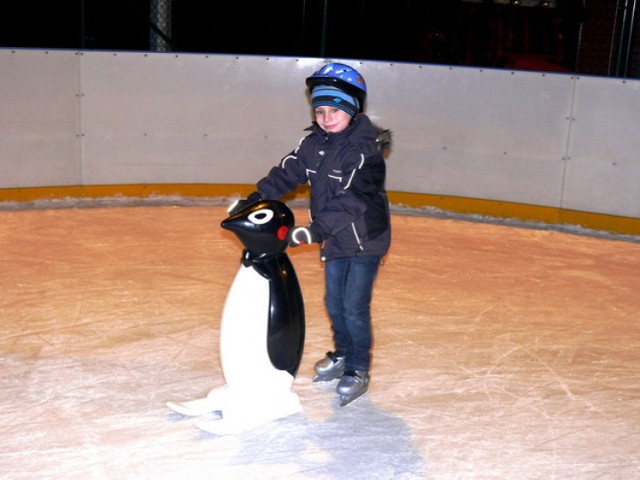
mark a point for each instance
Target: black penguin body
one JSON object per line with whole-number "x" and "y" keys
{"x": 285, "y": 331}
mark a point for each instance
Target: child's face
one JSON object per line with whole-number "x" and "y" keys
{"x": 331, "y": 119}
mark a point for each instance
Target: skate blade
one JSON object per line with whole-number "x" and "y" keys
{"x": 347, "y": 399}
{"x": 324, "y": 378}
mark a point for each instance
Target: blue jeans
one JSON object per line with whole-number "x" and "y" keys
{"x": 348, "y": 289}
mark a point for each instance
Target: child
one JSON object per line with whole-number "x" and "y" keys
{"x": 342, "y": 161}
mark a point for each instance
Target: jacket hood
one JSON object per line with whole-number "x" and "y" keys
{"x": 383, "y": 139}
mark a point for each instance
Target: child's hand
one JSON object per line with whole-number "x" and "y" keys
{"x": 302, "y": 235}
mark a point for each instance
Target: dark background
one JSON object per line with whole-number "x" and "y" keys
{"x": 580, "y": 36}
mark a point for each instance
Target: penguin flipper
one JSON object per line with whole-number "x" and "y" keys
{"x": 286, "y": 329}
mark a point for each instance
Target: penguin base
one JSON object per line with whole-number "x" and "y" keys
{"x": 244, "y": 411}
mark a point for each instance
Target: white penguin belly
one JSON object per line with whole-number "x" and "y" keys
{"x": 243, "y": 336}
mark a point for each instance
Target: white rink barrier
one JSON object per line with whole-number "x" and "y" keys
{"x": 559, "y": 142}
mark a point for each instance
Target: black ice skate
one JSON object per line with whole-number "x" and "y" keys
{"x": 353, "y": 384}
{"x": 329, "y": 368}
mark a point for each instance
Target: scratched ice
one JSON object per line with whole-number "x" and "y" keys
{"x": 502, "y": 350}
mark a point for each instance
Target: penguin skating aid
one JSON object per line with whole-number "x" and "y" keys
{"x": 262, "y": 328}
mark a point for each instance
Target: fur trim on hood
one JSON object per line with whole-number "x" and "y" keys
{"x": 384, "y": 139}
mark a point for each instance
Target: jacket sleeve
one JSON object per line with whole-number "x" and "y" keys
{"x": 360, "y": 194}
{"x": 283, "y": 178}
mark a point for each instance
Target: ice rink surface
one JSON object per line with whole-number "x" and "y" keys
{"x": 501, "y": 352}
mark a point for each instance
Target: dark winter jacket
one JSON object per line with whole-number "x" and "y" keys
{"x": 346, "y": 173}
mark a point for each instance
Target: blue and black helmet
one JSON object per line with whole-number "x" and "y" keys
{"x": 343, "y": 77}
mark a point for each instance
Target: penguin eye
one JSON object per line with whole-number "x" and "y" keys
{"x": 262, "y": 216}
